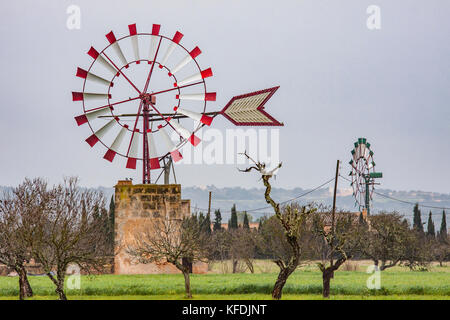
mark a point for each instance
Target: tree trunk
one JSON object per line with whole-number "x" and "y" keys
{"x": 25, "y": 290}
{"x": 281, "y": 281}
{"x": 60, "y": 286}
{"x": 327, "y": 274}
{"x": 250, "y": 265}
{"x": 59, "y": 283}
{"x": 235, "y": 263}
{"x": 60, "y": 290}
{"x": 187, "y": 283}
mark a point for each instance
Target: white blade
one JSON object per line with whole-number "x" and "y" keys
{"x": 95, "y": 114}
{"x": 181, "y": 64}
{"x": 119, "y": 139}
{"x": 153, "y": 46}
{"x": 106, "y": 65}
{"x": 100, "y": 133}
{"x": 135, "y": 44}
{"x": 168, "y": 53}
{"x": 167, "y": 141}
{"x": 95, "y": 96}
{"x": 151, "y": 145}
{"x": 194, "y": 77}
{"x": 134, "y": 145}
{"x": 119, "y": 53}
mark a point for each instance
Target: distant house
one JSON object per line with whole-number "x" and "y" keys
{"x": 253, "y": 225}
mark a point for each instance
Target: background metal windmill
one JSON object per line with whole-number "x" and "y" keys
{"x": 363, "y": 173}
{"x": 141, "y": 86}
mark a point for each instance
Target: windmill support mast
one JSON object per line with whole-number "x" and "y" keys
{"x": 146, "y": 100}
{"x": 367, "y": 204}
{"x": 145, "y": 158}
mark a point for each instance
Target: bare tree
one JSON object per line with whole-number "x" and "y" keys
{"x": 243, "y": 247}
{"x": 219, "y": 245}
{"x": 72, "y": 233}
{"x": 291, "y": 219}
{"x": 418, "y": 250}
{"x": 336, "y": 242}
{"x": 239, "y": 245}
{"x": 273, "y": 241}
{"x": 170, "y": 240}
{"x": 21, "y": 213}
{"x": 386, "y": 240}
{"x": 441, "y": 250}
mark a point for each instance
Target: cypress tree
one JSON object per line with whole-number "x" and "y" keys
{"x": 207, "y": 224}
{"x": 201, "y": 219}
{"x": 443, "y": 230}
{"x": 96, "y": 213}
{"x": 261, "y": 221}
{"x": 112, "y": 215}
{"x": 430, "y": 227}
{"x": 194, "y": 219}
{"x": 246, "y": 224}
{"x": 233, "y": 223}
{"x": 217, "y": 220}
{"x": 417, "y": 222}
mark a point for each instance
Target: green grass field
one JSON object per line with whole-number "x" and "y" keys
{"x": 398, "y": 283}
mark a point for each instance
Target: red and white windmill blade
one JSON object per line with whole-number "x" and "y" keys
{"x": 114, "y": 63}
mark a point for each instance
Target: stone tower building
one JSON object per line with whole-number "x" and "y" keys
{"x": 137, "y": 206}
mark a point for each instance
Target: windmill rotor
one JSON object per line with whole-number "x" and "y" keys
{"x": 143, "y": 89}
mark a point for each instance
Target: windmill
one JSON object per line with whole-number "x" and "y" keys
{"x": 363, "y": 173}
{"x": 142, "y": 87}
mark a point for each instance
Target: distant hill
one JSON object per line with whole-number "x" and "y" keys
{"x": 248, "y": 199}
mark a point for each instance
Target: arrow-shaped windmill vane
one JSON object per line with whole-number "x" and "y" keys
{"x": 141, "y": 86}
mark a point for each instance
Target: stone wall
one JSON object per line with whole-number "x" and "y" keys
{"x": 137, "y": 206}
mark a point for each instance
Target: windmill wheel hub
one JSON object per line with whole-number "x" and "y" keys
{"x": 147, "y": 98}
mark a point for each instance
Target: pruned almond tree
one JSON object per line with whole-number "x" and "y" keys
{"x": 386, "y": 241}
{"x": 170, "y": 240}
{"x": 337, "y": 243}
{"x": 21, "y": 212}
{"x": 292, "y": 218}
{"x": 72, "y": 233}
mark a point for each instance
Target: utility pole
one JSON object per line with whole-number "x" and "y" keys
{"x": 334, "y": 206}
{"x": 209, "y": 205}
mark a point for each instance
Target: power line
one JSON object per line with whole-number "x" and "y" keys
{"x": 297, "y": 197}
{"x": 284, "y": 202}
{"x": 412, "y": 203}
{"x": 403, "y": 201}
{"x": 320, "y": 186}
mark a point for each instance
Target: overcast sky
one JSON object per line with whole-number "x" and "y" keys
{"x": 339, "y": 81}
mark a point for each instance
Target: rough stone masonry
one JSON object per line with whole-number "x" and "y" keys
{"x": 137, "y": 206}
